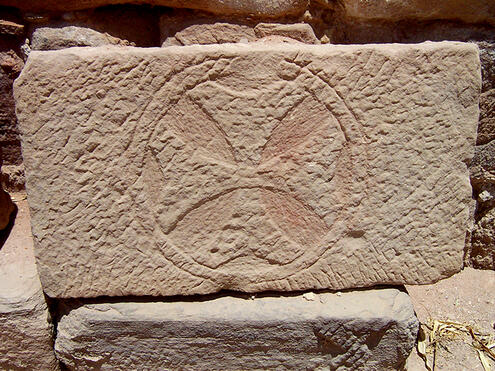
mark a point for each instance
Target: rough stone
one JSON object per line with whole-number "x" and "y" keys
{"x": 25, "y": 334}
{"x": 300, "y": 31}
{"x": 482, "y": 249}
{"x": 10, "y": 67}
{"x": 250, "y": 167}
{"x": 482, "y": 252}
{"x": 11, "y": 28}
{"x": 372, "y": 330}
{"x": 12, "y": 178}
{"x": 482, "y": 166}
{"x": 486, "y": 127}
{"x": 205, "y": 32}
{"x": 54, "y": 38}
{"x": 487, "y": 57}
{"x": 126, "y": 24}
{"x": 348, "y": 31}
{"x": 273, "y": 8}
{"x": 187, "y": 27}
{"x": 469, "y": 11}
{"x": 177, "y": 31}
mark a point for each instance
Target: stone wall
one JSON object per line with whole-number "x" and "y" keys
{"x": 366, "y": 148}
{"x": 11, "y": 63}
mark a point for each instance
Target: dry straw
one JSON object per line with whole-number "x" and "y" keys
{"x": 436, "y": 332}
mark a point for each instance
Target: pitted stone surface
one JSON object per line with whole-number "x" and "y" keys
{"x": 372, "y": 330}
{"x": 188, "y": 170}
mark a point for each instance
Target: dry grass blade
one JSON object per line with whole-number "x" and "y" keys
{"x": 484, "y": 361}
{"x": 480, "y": 344}
{"x": 422, "y": 347}
{"x": 435, "y": 331}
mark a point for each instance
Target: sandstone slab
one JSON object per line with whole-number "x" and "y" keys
{"x": 26, "y": 341}
{"x": 54, "y": 38}
{"x": 250, "y": 167}
{"x": 469, "y": 11}
{"x": 273, "y": 8}
{"x": 372, "y": 330}
{"x": 209, "y": 31}
{"x": 297, "y": 31}
{"x": 123, "y": 25}
{"x": 204, "y": 32}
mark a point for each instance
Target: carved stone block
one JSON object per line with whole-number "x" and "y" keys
{"x": 250, "y": 167}
{"x": 370, "y": 330}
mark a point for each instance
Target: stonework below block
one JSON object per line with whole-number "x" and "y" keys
{"x": 251, "y": 167}
{"x": 26, "y": 341}
{"x": 372, "y": 330}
